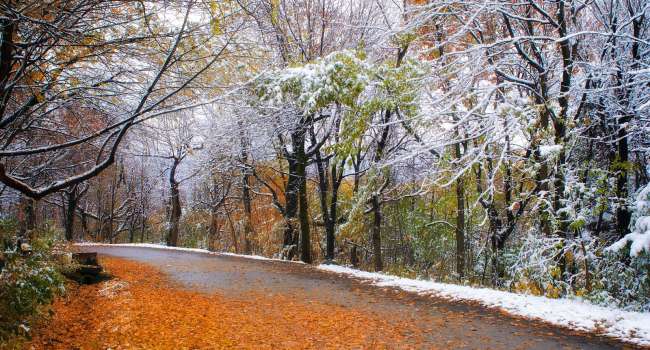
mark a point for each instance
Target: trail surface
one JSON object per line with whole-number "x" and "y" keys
{"x": 424, "y": 322}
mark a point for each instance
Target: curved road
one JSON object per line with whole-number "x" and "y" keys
{"x": 444, "y": 323}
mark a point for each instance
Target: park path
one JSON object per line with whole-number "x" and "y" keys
{"x": 421, "y": 322}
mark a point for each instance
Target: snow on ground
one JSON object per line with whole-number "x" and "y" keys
{"x": 575, "y": 314}
{"x": 194, "y": 250}
{"x": 629, "y": 326}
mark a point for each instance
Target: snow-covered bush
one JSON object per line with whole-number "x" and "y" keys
{"x": 624, "y": 269}
{"x": 534, "y": 268}
{"x": 585, "y": 263}
{"x": 28, "y": 280}
{"x": 591, "y": 271}
{"x": 621, "y": 283}
{"x": 639, "y": 238}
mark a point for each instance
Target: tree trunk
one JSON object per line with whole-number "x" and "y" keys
{"x": 376, "y": 199}
{"x": 71, "y": 207}
{"x": 109, "y": 230}
{"x": 560, "y": 122}
{"x": 323, "y": 190}
{"x": 326, "y": 192}
{"x": 29, "y": 218}
{"x": 460, "y": 220}
{"x": 623, "y": 213}
{"x": 354, "y": 256}
{"x": 291, "y": 208}
{"x": 232, "y": 230}
{"x": 175, "y": 201}
{"x": 132, "y": 228}
{"x": 330, "y": 225}
{"x": 246, "y": 199}
{"x": 246, "y": 195}
{"x": 376, "y": 233}
{"x": 213, "y": 230}
{"x": 84, "y": 225}
{"x": 298, "y": 143}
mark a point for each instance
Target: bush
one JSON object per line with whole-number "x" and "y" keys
{"x": 28, "y": 281}
{"x": 621, "y": 283}
{"x": 603, "y": 277}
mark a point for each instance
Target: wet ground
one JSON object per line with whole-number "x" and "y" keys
{"x": 444, "y": 324}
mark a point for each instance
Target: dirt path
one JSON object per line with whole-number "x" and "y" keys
{"x": 242, "y": 303}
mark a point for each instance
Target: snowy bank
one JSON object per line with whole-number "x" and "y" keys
{"x": 628, "y": 326}
{"x": 193, "y": 250}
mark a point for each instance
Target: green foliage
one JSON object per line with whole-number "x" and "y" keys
{"x": 620, "y": 283}
{"x": 338, "y": 78}
{"x": 360, "y": 89}
{"x": 28, "y": 280}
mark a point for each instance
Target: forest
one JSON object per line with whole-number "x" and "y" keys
{"x": 502, "y": 144}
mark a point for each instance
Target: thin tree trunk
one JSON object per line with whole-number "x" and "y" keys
{"x": 376, "y": 233}
{"x": 460, "y": 220}
{"x": 246, "y": 195}
{"x": 246, "y": 199}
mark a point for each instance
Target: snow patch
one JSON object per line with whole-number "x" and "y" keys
{"x": 548, "y": 150}
{"x": 576, "y": 314}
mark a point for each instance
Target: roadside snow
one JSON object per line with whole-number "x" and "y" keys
{"x": 194, "y": 250}
{"x": 575, "y": 314}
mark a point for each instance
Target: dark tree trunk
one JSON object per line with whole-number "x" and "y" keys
{"x": 246, "y": 201}
{"x": 291, "y": 207}
{"x": 175, "y": 202}
{"x": 375, "y": 201}
{"x": 623, "y": 213}
{"x": 298, "y": 143}
{"x": 330, "y": 225}
{"x": 70, "y": 211}
{"x": 326, "y": 192}
{"x": 323, "y": 191}
{"x": 248, "y": 228}
{"x": 29, "y": 218}
{"x": 354, "y": 256}
{"x": 6, "y": 59}
{"x": 376, "y": 233}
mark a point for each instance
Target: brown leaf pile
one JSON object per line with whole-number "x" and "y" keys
{"x": 141, "y": 309}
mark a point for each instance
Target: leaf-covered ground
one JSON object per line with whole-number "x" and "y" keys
{"x": 141, "y": 308}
